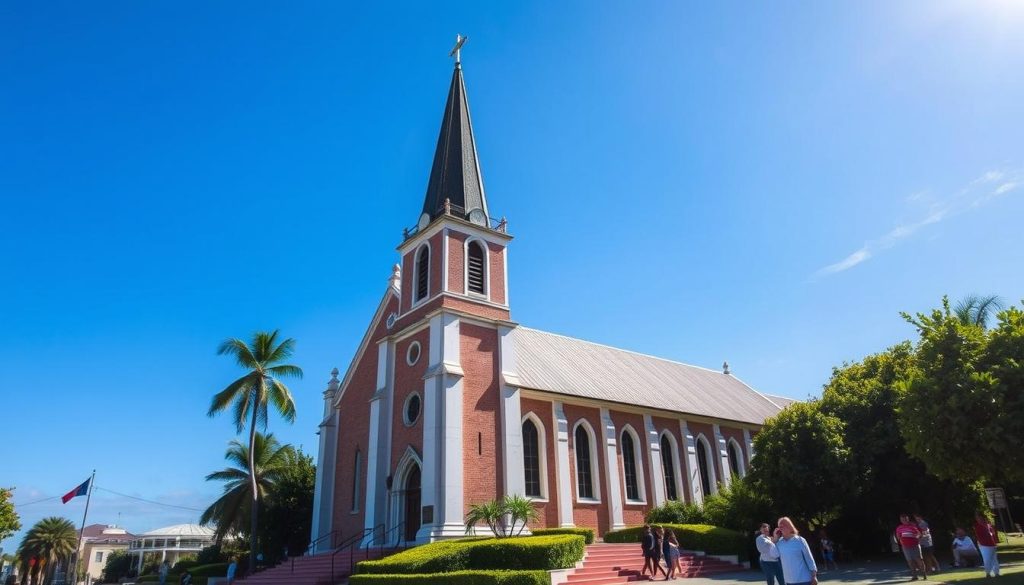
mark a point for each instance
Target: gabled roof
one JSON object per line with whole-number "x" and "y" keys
{"x": 564, "y": 365}
{"x": 455, "y": 174}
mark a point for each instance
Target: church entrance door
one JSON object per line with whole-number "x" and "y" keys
{"x": 411, "y": 512}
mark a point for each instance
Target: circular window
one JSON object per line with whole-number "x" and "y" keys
{"x": 412, "y": 409}
{"x": 412, "y": 355}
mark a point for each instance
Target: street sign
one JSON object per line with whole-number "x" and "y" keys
{"x": 996, "y": 498}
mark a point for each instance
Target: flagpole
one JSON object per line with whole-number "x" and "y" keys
{"x": 81, "y": 533}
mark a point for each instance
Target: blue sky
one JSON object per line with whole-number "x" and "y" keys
{"x": 764, "y": 184}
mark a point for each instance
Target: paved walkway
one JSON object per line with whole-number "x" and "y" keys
{"x": 865, "y": 573}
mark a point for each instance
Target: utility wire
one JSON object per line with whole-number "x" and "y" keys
{"x": 36, "y": 501}
{"x": 148, "y": 501}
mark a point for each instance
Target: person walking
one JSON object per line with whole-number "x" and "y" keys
{"x": 769, "y": 559}
{"x": 659, "y": 537}
{"x": 828, "y": 550}
{"x": 927, "y": 546}
{"x": 988, "y": 539}
{"x": 909, "y": 536}
{"x": 671, "y": 554}
{"x": 163, "y": 571}
{"x": 647, "y": 547}
{"x": 232, "y": 569}
{"x": 793, "y": 552}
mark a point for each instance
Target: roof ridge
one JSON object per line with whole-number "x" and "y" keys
{"x": 604, "y": 345}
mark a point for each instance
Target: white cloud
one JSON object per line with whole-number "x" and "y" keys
{"x": 974, "y": 195}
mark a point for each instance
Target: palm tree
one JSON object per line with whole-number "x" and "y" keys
{"x": 272, "y": 460}
{"x": 250, "y": 395}
{"x": 976, "y": 309}
{"x": 49, "y": 541}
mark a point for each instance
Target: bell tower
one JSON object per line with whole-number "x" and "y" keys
{"x": 455, "y": 256}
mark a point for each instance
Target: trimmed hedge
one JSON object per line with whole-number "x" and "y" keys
{"x": 457, "y": 578}
{"x": 199, "y": 574}
{"x": 558, "y": 551}
{"x": 702, "y": 537}
{"x": 586, "y": 533}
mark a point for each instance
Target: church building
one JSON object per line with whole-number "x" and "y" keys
{"x": 449, "y": 402}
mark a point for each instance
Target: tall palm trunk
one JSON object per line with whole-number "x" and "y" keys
{"x": 252, "y": 480}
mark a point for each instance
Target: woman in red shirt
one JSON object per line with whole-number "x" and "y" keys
{"x": 988, "y": 538}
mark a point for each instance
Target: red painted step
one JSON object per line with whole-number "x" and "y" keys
{"x": 607, "y": 564}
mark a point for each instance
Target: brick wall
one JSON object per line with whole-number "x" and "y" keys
{"x": 672, "y": 426}
{"x": 588, "y": 515}
{"x": 482, "y": 475}
{"x": 408, "y": 379}
{"x": 353, "y": 432}
{"x": 633, "y": 514}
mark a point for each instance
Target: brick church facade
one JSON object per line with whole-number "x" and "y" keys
{"x": 448, "y": 402}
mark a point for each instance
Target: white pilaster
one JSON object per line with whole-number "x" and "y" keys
{"x": 376, "y": 446}
{"x": 723, "y": 456}
{"x": 513, "y": 473}
{"x": 442, "y": 490}
{"x": 654, "y": 450}
{"x": 323, "y": 494}
{"x": 748, "y": 442}
{"x": 611, "y": 466}
{"x": 690, "y": 461}
{"x": 562, "y": 481}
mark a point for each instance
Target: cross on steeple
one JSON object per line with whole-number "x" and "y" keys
{"x": 457, "y": 49}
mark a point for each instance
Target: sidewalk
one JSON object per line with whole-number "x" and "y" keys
{"x": 865, "y": 573}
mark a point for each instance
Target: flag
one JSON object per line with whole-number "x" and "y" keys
{"x": 78, "y": 491}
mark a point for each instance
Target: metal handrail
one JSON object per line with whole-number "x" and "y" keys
{"x": 328, "y": 535}
{"x": 399, "y": 541}
{"x": 352, "y": 543}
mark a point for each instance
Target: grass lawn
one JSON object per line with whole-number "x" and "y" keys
{"x": 1011, "y": 567}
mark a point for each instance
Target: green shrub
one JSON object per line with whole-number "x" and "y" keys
{"x": 558, "y": 551}
{"x": 586, "y": 533}
{"x": 700, "y": 537}
{"x": 199, "y": 574}
{"x": 457, "y": 578}
{"x": 676, "y": 512}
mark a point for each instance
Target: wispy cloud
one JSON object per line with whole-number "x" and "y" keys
{"x": 989, "y": 185}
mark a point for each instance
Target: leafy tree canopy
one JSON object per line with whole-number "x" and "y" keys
{"x": 289, "y": 510}
{"x": 961, "y": 413}
{"x": 803, "y": 462}
{"x": 9, "y": 520}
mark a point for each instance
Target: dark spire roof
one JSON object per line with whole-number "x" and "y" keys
{"x": 455, "y": 175}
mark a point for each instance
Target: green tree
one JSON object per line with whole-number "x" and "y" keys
{"x": 9, "y": 520}
{"x": 271, "y": 459}
{"x": 803, "y": 464}
{"x": 887, "y": 480}
{"x": 49, "y": 541}
{"x": 961, "y": 411}
{"x": 288, "y": 512}
{"x": 250, "y": 396}
{"x": 118, "y": 565}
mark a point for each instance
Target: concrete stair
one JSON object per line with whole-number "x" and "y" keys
{"x": 606, "y": 564}
{"x": 316, "y": 569}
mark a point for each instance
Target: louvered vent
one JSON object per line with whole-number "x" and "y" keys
{"x": 475, "y": 268}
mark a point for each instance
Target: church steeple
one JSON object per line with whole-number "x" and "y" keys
{"x": 455, "y": 179}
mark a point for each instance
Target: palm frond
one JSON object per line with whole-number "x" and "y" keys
{"x": 281, "y": 397}
{"x": 223, "y": 399}
{"x": 285, "y": 371}
{"x": 243, "y": 355}
{"x": 282, "y": 352}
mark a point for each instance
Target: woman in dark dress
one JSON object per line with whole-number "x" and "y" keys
{"x": 659, "y": 539}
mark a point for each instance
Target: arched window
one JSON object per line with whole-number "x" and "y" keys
{"x": 735, "y": 459}
{"x": 531, "y": 459}
{"x": 475, "y": 275}
{"x": 702, "y": 466}
{"x": 668, "y": 464}
{"x": 356, "y": 472}
{"x": 584, "y": 463}
{"x": 630, "y": 473}
{"x": 422, "y": 273}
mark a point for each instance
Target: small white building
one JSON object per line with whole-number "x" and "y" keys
{"x": 98, "y": 542}
{"x": 172, "y": 542}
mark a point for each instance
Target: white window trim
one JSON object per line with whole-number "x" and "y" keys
{"x": 708, "y": 457}
{"x": 638, "y": 461}
{"x": 405, "y": 409}
{"x": 416, "y": 273}
{"x": 542, "y": 448}
{"x": 408, "y": 353}
{"x": 486, "y": 267}
{"x": 674, "y": 446}
{"x": 729, "y": 445}
{"x": 595, "y": 467}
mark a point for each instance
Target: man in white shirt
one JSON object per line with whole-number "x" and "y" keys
{"x": 964, "y": 549}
